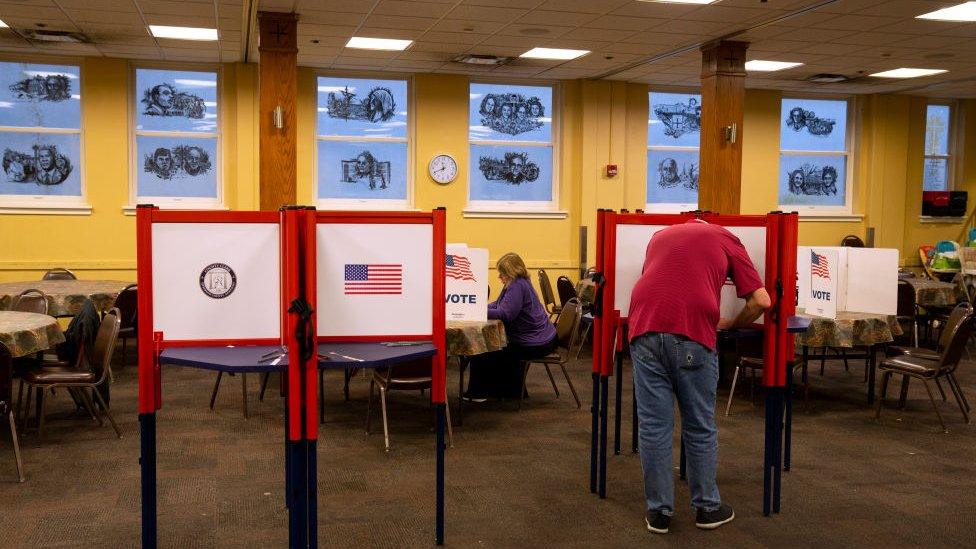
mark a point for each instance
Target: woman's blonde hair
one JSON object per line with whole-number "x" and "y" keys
{"x": 512, "y": 266}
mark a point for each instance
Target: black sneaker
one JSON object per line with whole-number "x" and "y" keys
{"x": 657, "y": 522}
{"x": 710, "y": 520}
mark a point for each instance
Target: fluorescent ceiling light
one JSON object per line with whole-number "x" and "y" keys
{"x": 757, "y": 65}
{"x": 681, "y": 1}
{"x": 554, "y": 53}
{"x": 3, "y": 25}
{"x": 389, "y": 44}
{"x": 962, "y": 12}
{"x": 183, "y": 33}
{"x": 908, "y": 73}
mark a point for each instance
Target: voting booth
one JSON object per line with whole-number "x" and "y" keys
{"x": 466, "y": 272}
{"x": 835, "y": 278}
{"x": 290, "y": 281}
{"x": 622, "y": 240}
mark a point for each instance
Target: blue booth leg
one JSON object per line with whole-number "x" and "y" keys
{"x": 439, "y": 519}
{"x": 147, "y": 462}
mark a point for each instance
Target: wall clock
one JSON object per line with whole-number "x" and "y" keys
{"x": 443, "y": 168}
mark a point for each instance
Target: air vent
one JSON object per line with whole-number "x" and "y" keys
{"x": 826, "y": 78}
{"x": 44, "y": 35}
{"x": 482, "y": 59}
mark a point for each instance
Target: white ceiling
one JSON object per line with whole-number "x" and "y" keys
{"x": 655, "y": 43}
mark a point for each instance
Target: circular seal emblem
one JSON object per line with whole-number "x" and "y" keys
{"x": 217, "y": 280}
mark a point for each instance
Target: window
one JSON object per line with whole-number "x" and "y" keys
{"x": 512, "y": 168}
{"x": 362, "y": 144}
{"x": 814, "y": 153}
{"x": 936, "y": 166}
{"x": 673, "y": 136}
{"x": 40, "y": 133}
{"x": 177, "y": 139}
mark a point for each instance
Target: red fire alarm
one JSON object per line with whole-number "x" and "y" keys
{"x": 611, "y": 170}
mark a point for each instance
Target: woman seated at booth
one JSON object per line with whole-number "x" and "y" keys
{"x": 530, "y": 335}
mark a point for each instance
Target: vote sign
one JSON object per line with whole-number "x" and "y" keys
{"x": 822, "y": 300}
{"x": 466, "y": 271}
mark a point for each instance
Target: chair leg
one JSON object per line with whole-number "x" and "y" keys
{"x": 552, "y": 380}
{"x": 934, "y": 405}
{"x": 91, "y": 406}
{"x": 881, "y": 396}
{"x": 369, "y": 404}
{"x": 244, "y": 393}
{"x": 41, "y": 401}
{"x": 16, "y": 444}
{"x": 954, "y": 381}
{"x": 843, "y": 355}
{"x": 572, "y": 389}
{"x": 264, "y": 385}
{"x": 823, "y": 358}
{"x": 941, "y": 390}
{"x": 213, "y": 395}
{"x": 586, "y": 332}
{"x": 27, "y": 408}
{"x": 955, "y": 393}
{"x": 914, "y": 333}
{"x": 108, "y": 413}
{"x": 386, "y": 426}
{"x": 20, "y": 399}
{"x": 903, "y": 397}
{"x": 447, "y": 412}
{"x": 735, "y": 379}
{"x": 525, "y": 375}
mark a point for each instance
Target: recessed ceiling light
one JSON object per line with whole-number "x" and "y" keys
{"x": 681, "y": 1}
{"x": 757, "y": 65}
{"x": 961, "y": 12}
{"x": 3, "y": 25}
{"x": 908, "y": 73}
{"x": 389, "y": 44}
{"x": 554, "y": 53}
{"x": 183, "y": 33}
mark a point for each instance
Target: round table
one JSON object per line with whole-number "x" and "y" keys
{"x": 65, "y": 297}
{"x": 472, "y": 337}
{"x": 28, "y": 333}
{"x": 932, "y": 293}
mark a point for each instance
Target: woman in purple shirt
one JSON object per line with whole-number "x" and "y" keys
{"x": 530, "y": 334}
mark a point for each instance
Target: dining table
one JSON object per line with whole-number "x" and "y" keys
{"x": 849, "y": 330}
{"x": 65, "y": 297}
{"x": 467, "y": 338}
{"x": 934, "y": 293}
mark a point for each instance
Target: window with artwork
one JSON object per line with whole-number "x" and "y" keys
{"x": 40, "y": 130}
{"x": 936, "y": 167}
{"x": 814, "y": 156}
{"x": 673, "y": 136}
{"x": 177, "y": 138}
{"x": 512, "y": 166}
{"x": 362, "y": 143}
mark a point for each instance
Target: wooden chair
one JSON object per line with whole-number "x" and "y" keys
{"x": 127, "y": 304}
{"x": 567, "y": 326}
{"x": 926, "y": 368}
{"x": 548, "y": 298}
{"x": 6, "y": 406}
{"x": 415, "y": 375}
{"x": 566, "y": 290}
{"x": 30, "y": 301}
{"x": 79, "y": 378}
{"x": 59, "y": 273}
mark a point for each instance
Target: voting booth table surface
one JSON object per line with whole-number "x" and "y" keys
{"x": 770, "y": 241}
{"x": 241, "y": 292}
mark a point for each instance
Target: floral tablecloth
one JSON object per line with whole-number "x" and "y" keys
{"x": 849, "y": 329}
{"x": 466, "y": 338}
{"x": 28, "y": 333}
{"x": 65, "y": 297}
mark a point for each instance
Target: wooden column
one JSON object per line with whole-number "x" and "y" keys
{"x": 278, "y": 73}
{"x": 723, "y": 92}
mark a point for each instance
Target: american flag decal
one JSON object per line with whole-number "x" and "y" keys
{"x": 374, "y": 279}
{"x": 459, "y": 268}
{"x": 819, "y": 266}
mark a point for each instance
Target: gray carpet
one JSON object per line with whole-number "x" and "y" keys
{"x": 513, "y": 478}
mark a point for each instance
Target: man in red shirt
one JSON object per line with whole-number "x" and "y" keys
{"x": 673, "y": 319}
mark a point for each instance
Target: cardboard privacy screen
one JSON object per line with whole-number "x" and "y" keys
{"x": 466, "y": 271}
{"x": 866, "y": 278}
{"x": 216, "y": 280}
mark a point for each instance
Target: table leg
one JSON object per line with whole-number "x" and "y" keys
{"x": 871, "y": 373}
{"x": 594, "y": 431}
{"x": 147, "y": 464}
{"x": 462, "y": 366}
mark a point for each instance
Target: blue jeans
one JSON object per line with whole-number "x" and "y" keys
{"x": 666, "y": 367}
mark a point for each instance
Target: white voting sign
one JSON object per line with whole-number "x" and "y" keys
{"x": 824, "y": 266}
{"x": 216, "y": 280}
{"x": 374, "y": 279}
{"x": 632, "y": 243}
{"x": 466, "y": 270}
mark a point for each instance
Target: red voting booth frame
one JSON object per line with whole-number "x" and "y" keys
{"x": 298, "y": 286}
{"x": 610, "y": 334}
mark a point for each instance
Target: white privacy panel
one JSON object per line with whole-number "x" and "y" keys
{"x": 374, "y": 279}
{"x": 216, "y": 280}
{"x": 632, "y": 243}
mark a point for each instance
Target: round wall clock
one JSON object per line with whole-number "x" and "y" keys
{"x": 443, "y": 168}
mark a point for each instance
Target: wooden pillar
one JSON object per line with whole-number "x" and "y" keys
{"x": 278, "y": 73}
{"x": 723, "y": 92}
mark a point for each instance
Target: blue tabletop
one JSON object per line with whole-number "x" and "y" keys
{"x": 794, "y": 325}
{"x": 243, "y": 359}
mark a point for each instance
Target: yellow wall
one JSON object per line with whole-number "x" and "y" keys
{"x": 601, "y": 123}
